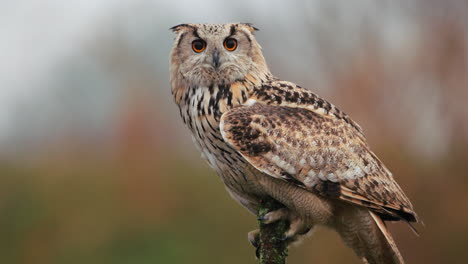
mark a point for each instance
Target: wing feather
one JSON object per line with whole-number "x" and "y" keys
{"x": 317, "y": 152}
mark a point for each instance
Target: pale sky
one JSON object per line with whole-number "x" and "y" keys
{"x": 40, "y": 38}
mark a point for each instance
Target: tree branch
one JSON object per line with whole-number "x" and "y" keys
{"x": 272, "y": 249}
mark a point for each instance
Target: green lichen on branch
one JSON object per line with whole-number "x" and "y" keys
{"x": 272, "y": 249}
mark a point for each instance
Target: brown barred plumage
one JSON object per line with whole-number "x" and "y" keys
{"x": 271, "y": 138}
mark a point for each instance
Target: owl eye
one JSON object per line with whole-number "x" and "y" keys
{"x": 198, "y": 45}
{"x": 230, "y": 44}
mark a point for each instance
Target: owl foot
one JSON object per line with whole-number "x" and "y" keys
{"x": 297, "y": 226}
{"x": 273, "y": 216}
{"x": 254, "y": 239}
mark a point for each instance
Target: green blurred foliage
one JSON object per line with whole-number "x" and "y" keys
{"x": 167, "y": 210}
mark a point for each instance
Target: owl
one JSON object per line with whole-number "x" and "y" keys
{"x": 272, "y": 139}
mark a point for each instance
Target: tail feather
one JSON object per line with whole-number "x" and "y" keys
{"x": 415, "y": 231}
{"x": 365, "y": 232}
{"x": 396, "y": 253}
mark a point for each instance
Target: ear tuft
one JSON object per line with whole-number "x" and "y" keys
{"x": 250, "y": 27}
{"x": 179, "y": 27}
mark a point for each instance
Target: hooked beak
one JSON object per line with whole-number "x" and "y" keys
{"x": 216, "y": 59}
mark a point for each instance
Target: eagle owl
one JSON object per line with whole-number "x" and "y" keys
{"x": 272, "y": 139}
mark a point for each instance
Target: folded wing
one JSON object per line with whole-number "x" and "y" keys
{"x": 317, "y": 152}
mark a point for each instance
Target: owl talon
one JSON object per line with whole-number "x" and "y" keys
{"x": 297, "y": 227}
{"x": 273, "y": 216}
{"x": 285, "y": 237}
{"x": 254, "y": 237}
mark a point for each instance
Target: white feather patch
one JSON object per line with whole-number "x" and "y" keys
{"x": 354, "y": 172}
{"x": 250, "y": 102}
{"x": 320, "y": 111}
{"x": 283, "y": 164}
{"x": 332, "y": 177}
{"x": 310, "y": 181}
{"x": 221, "y": 129}
{"x": 302, "y": 162}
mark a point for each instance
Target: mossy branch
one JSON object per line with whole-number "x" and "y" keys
{"x": 272, "y": 249}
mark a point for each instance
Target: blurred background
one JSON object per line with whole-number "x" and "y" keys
{"x": 96, "y": 166}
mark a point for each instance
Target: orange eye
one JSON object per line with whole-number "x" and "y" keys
{"x": 198, "y": 45}
{"x": 230, "y": 44}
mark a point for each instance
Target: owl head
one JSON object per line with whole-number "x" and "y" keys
{"x": 215, "y": 54}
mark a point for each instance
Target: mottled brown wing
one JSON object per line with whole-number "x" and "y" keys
{"x": 318, "y": 152}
